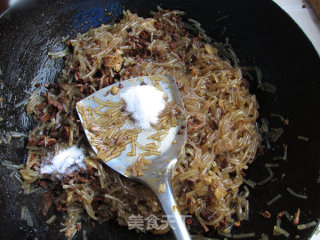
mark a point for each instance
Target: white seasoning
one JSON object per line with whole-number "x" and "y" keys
{"x": 145, "y": 102}
{"x": 65, "y": 162}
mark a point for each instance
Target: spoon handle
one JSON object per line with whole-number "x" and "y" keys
{"x": 174, "y": 218}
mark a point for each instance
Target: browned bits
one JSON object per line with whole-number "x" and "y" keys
{"x": 194, "y": 127}
{"x": 213, "y": 125}
{"x": 246, "y": 83}
{"x": 66, "y": 131}
{"x": 58, "y": 207}
{"x": 186, "y": 186}
{"x": 237, "y": 224}
{"x": 296, "y": 217}
{"x": 45, "y": 117}
{"x": 266, "y": 214}
{"x": 281, "y": 214}
{"x": 144, "y": 35}
{"x": 194, "y": 71}
{"x": 32, "y": 141}
{"x": 260, "y": 151}
{"x": 47, "y": 142}
{"x": 57, "y": 105}
{"x": 172, "y": 45}
{"x": 73, "y": 175}
{"x": 78, "y": 226}
{"x": 197, "y": 43}
{"x": 84, "y": 180}
{"x": 224, "y": 163}
{"x": 206, "y": 229}
{"x": 208, "y": 216}
{"x": 76, "y": 76}
{"x": 69, "y": 231}
{"x": 43, "y": 184}
{"x": 47, "y": 202}
{"x": 107, "y": 93}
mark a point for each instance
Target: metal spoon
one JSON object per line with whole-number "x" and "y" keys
{"x": 159, "y": 171}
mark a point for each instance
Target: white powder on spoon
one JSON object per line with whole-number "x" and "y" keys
{"x": 145, "y": 103}
{"x": 65, "y": 162}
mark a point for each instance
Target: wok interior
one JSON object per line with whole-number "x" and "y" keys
{"x": 261, "y": 34}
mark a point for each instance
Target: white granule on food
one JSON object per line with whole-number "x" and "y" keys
{"x": 145, "y": 102}
{"x": 65, "y": 162}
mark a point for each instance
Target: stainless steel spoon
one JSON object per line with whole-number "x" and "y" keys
{"x": 159, "y": 172}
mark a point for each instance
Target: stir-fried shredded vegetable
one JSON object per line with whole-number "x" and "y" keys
{"x": 222, "y": 138}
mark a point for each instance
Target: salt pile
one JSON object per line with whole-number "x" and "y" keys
{"x": 145, "y": 102}
{"x": 65, "y": 162}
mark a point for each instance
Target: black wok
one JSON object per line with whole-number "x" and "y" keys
{"x": 261, "y": 34}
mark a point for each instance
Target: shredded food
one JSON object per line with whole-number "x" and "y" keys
{"x": 221, "y": 113}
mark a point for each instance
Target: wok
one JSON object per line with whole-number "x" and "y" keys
{"x": 260, "y": 33}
